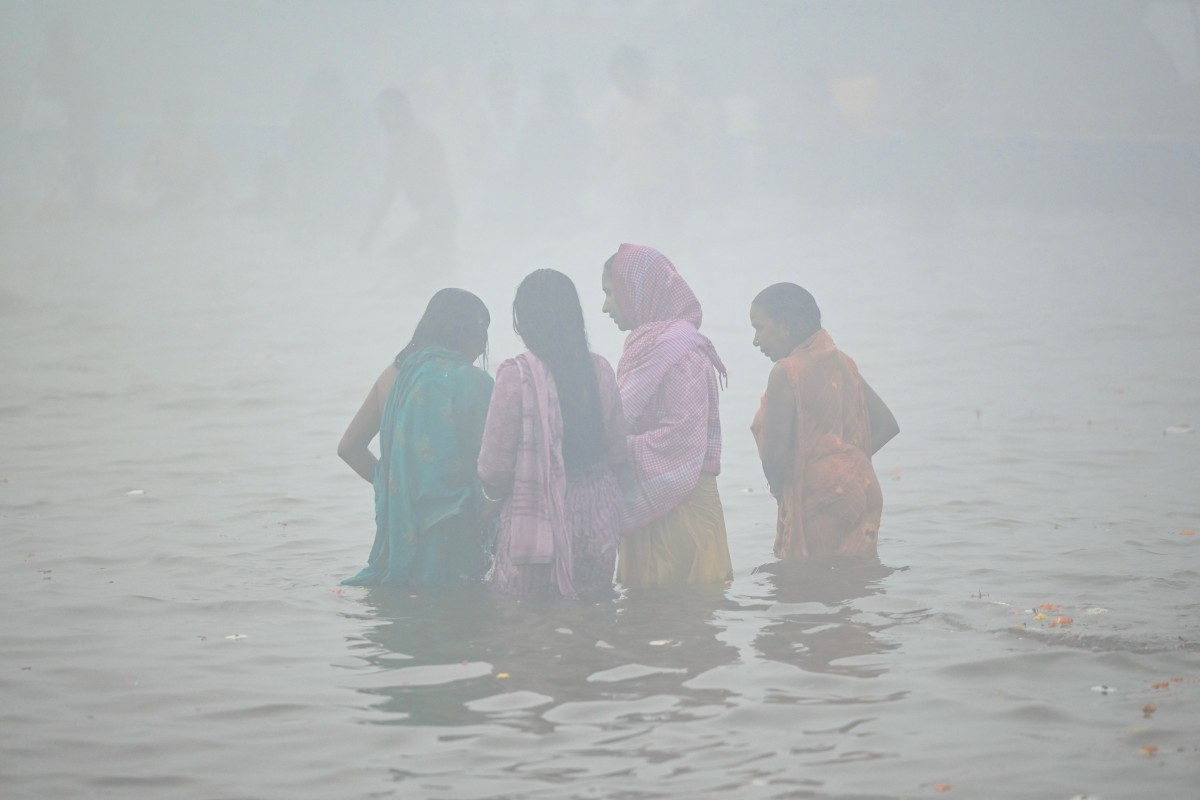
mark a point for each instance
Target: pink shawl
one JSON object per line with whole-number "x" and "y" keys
{"x": 539, "y": 479}
{"x": 665, "y": 317}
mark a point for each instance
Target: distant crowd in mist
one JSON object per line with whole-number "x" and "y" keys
{"x": 651, "y": 138}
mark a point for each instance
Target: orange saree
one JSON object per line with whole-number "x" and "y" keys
{"x": 831, "y": 503}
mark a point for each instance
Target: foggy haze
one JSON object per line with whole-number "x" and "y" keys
{"x": 950, "y": 100}
{"x": 220, "y": 220}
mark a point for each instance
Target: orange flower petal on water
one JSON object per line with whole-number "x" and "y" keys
{"x": 1149, "y": 750}
{"x": 1049, "y": 607}
{"x": 1149, "y": 709}
{"x": 1060, "y": 622}
{"x": 1188, "y": 532}
{"x": 1176, "y": 680}
{"x": 1160, "y": 685}
{"x": 1039, "y": 616}
{"x": 942, "y": 787}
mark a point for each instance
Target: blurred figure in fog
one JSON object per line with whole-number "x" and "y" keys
{"x": 708, "y": 147}
{"x": 178, "y": 169}
{"x": 501, "y": 121}
{"x": 645, "y": 137}
{"x": 62, "y": 126}
{"x": 417, "y": 164}
{"x": 327, "y": 138}
{"x": 554, "y": 154}
{"x": 933, "y": 156}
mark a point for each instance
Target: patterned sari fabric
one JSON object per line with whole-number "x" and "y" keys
{"x": 427, "y": 528}
{"x": 831, "y": 504}
{"x": 668, "y": 376}
{"x": 558, "y": 530}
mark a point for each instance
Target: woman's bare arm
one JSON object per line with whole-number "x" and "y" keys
{"x": 778, "y": 432}
{"x": 353, "y": 448}
{"x": 883, "y": 423}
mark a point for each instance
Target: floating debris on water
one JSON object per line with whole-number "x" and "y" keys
{"x": 1104, "y": 689}
{"x": 236, "y": 636}
{"x": 1174, "y": 430}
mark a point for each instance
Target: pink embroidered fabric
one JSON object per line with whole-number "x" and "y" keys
{"x": 557, "y": 534}
{"x": 668, "y": 381}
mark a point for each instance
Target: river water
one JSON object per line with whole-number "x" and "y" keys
{"x": 176, "y": 522}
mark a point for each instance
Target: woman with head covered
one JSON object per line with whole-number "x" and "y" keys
{"x": 675, "y": 526}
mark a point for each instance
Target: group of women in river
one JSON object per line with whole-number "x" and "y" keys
{"x": 560, "y": 475}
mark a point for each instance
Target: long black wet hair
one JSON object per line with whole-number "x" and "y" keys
{"x": 792, "y": 305}
{"x": 454, "y": 319}
{"x": 548, "y": 318}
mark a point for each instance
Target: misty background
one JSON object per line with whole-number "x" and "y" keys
{"x": 937, "y": 102}
{"x": 994, "y": 204}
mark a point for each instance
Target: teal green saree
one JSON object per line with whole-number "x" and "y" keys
{"x": 427, "y": 527}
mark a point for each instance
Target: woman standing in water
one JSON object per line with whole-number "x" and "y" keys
{"x": 552, "y": 445}
{"x": 817, "y": 428}
{"x": 668, "y": 381}
{"x": 428, "y": 408}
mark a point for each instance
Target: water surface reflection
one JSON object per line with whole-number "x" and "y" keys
{"x": 816, "y": 622}
{"x": 461, "y": 656}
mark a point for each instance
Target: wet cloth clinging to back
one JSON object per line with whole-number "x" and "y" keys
{"x": 558, "y": 531}
{"x": 831, "y": 504}
{"x": 427, "y": 528}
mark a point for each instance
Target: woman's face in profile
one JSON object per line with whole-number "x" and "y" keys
{"x": 771, "y": 336}
{"x": 610, "y": 302}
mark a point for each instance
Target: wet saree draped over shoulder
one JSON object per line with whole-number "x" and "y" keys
{"x": 831, "y": 503}
{"x": 558, "y": 530}
{"x": 534, "y": 516}
{"x": 665, "y": 339}
{"x": 668, "y": 377}
{"x": 427, "y": 528}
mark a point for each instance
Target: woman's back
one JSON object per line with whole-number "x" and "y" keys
{"x": 829, "y": 395}
{"x": 554, "y": 436}
{"x": 427, "y": 409}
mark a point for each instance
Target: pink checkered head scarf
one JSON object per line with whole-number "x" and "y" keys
{"x": 648, "y": 289}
